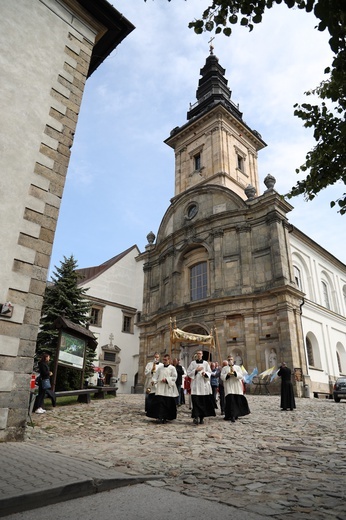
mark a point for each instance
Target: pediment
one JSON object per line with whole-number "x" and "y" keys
{"x": 111, "y": 348}
{"x": 197, "y": 205}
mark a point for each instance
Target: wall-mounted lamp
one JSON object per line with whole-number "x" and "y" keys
{"x": 123, "y": 378}
{"x": 6, "y": 310}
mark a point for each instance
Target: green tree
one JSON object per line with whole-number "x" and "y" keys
{"x": 325, "y": 164}
{"x": 64, "y": 297}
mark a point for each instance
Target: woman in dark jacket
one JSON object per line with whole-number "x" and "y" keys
{"x": 287, "y": 395}
{"x": 45, "y": 373}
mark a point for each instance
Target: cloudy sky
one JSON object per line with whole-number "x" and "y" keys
{"x": 121, "y": 174}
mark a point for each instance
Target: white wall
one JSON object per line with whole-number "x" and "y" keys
{"x": 118, "y": 287}
{"x": 327, "y": 325}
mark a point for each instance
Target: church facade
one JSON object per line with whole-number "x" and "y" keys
{"x": 226, "y": 258}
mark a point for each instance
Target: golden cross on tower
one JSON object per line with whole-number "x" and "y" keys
{"x": 211, "y": 48}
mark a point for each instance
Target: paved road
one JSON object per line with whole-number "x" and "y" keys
{"x": 280, "y": 465}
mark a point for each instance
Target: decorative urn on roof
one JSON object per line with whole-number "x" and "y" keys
{"x": 250, "y": 192}
{"x": 269, "y": 181}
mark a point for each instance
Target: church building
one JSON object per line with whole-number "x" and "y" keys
{"x": 226, "y": 261}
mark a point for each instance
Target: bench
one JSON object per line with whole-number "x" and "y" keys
{"x": 83, "y": 394}
{"x": 327, "y": 395}
{"x": 100, "y": 391}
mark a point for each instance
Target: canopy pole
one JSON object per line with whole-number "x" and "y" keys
{"x": 218, "y": 345}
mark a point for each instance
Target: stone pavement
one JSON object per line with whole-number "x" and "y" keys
{"x": 279, "y": 465}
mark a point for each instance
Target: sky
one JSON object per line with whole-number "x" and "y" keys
{"x": 121, "y": 174}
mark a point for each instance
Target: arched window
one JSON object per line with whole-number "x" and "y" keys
{"x": 310, "y": 352}
{"x": 301, "y": 275}
{"x": 313, "y": 351}
{"x": 325, "y": 295}
{"x": 198, "y": 281}
{"x": 341, "y": 357}
{"x": 339, "y": 362}
{"x": 298, "y": 278}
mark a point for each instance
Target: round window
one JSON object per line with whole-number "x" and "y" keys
{"x": 192, "y": 211}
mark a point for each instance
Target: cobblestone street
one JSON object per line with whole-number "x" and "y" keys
{"x": 285, "y": 465}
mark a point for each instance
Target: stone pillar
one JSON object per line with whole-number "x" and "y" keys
{"x": 244, "y": 234}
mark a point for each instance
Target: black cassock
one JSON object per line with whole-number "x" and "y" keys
{"x": 287, "y": 395}
{"x": 161, "y": 407}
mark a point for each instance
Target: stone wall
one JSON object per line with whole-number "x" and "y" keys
{"x": 46, "y": 51}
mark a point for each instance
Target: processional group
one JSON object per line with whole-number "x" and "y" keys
{"x": 163, "y": 392}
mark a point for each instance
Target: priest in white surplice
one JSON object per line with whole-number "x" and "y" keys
{"x": 163, "y": 406}
{"x": 149, "y": 371}
{"x": 236, "y": 404}
{"x": 203, "y": 404}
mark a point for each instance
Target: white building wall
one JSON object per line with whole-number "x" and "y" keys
{"x": 119, "y": 288}
{"x": 326, "y": 327}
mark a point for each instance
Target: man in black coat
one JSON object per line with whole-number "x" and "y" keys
{"x": 287, "y": 395}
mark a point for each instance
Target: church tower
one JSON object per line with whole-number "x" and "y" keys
{"x": 215, "y": 146}
{"x": 221, "y": 260}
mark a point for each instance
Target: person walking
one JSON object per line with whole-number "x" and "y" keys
{"x": 287, "y": 394}
{"x": 149, "y": 386}
{"x": 163, "y": 406}
{"x": 214, "y": 381}
{"x": 201, "y": 393}
{"x": 44, "y": 386}
{"x": 179, "y": 381}
{"x": 222, "y": 388}
{"x": 236, "y": 404}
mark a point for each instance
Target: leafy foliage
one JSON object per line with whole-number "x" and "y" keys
{"x": 64, "y": 297}
{"x": 325, "y": 164}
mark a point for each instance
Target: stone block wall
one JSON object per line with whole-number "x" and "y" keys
{"x": 51, "y": 66}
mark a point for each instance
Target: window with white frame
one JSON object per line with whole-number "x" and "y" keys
{"x": 339, "y": 362}
{"x": 341, "y": 357}
{"x": 96, "y": 316}
{"x": 313, "y": 351}
{"x": 310, "y": 352}
{"x": 325, "y": 295}
{"x": 298, "y": 277}
{"x": 128, "y": 322}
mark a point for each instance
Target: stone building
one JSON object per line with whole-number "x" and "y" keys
{"x": 222, "y": 259}
{"x": 48, "y": 50}
{"x": 115, "y": 293}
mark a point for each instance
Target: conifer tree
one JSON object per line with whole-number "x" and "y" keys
{"x": 63, "y": 297}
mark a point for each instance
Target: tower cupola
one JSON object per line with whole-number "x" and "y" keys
{"x": 212, "y": 89}
{"x": 215, "y": 146}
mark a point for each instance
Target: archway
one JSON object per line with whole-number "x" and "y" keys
{"x": 107, "y": 373}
